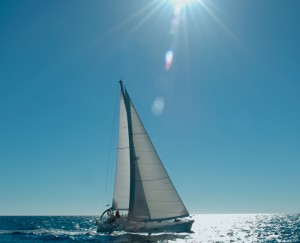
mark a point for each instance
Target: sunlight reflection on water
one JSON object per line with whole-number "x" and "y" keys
{"x": 245, "y": 228}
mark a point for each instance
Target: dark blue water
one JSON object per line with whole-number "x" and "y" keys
{"x": 207, "y": 228}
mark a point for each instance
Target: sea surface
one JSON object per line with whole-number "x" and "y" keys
{"x": 207, "y": 228}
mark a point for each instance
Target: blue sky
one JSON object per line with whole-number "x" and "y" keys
{"x": 228, "y": 128}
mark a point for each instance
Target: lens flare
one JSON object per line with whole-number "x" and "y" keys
{"x": 168, "y": 60}
{"x": 158, "y": 106}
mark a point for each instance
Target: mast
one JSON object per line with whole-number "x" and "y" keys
{"x": 121, "y": 193}
{"x": 122, "y": 87}
{"x": 126, "y": 99}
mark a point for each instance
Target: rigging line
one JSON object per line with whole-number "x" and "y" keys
{"x": 110, "y": 151}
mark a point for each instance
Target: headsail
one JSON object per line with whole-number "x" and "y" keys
{"x": 122, "y": 180}
{"x": 152, "y": 194}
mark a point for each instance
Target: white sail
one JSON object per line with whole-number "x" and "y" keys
{"x": 122, "y": 180}
{"x": 153, "y": 195}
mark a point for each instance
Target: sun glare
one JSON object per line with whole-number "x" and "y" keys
{"x": 183, "y": 2}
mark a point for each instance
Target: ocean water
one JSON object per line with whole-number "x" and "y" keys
{"x": 207, "y": 228}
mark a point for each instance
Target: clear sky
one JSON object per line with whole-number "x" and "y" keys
{"x": 215, "y": 82}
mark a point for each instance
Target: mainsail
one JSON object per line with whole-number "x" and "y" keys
{"x": 142, "y": 182}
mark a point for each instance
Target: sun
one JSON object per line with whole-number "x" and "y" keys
{"x": 183, "y": 2}
{"x": 179, "y": 5}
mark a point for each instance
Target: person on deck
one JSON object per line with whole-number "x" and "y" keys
{"x": 118, "y": 214}
{"x": 111, "y": 217}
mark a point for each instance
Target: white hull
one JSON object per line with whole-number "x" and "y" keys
{"x": 175, "y": 226}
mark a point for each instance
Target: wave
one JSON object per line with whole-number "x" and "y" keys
{"x": 207, "y": 228}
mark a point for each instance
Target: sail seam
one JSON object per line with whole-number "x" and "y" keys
{"x": 154, "y": 179}
{"x": 163, "y": 201}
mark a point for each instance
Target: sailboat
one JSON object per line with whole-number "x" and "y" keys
{"x": 142, "y": 188}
